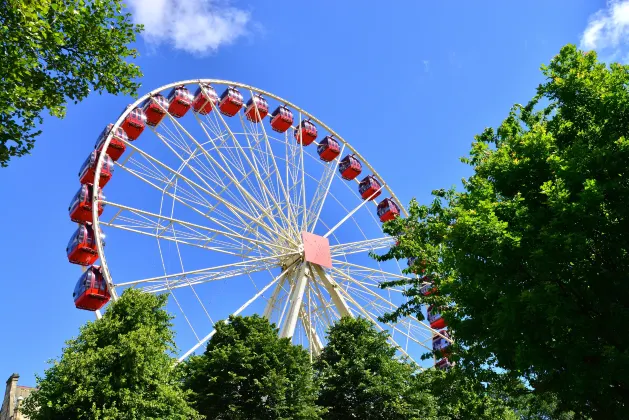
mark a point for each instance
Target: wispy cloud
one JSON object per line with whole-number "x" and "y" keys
{"x": 195, "y": 26}
{"x": 608, "y": 29}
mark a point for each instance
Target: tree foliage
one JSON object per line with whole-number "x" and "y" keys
{"x": 531, "y": 257}
{"x": 119, "y": 367}
{"x": 248, "y": 373}
{"x": 461, "y": 395}
{"x": 54, "y": 51}
{"x": 361, "y": 378}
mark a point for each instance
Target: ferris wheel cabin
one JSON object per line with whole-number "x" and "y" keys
{"x": 90, "y": 292}
{"x": 81, "y": 205}
{"x": 179, "y": 101}
{"x": 427, "y": 289}
{"x": 441, "y": 344}
{"x": 388, "y": 210}
{"x": 444, "y": 364}
{"x": 257, "y": 108}
{"x": 155, "y": 109}
{"x": 328, "y": 149}
{"x": 88, "y": 169}
{"x": 82, "y": 248}
{"x": 204, "y": 98}
{"x": 350, "y": 167}
{"x": 281, "y": 119}
{"x": 369, "y": 188}
{"x": 231, "y": 101}
{"x": 412, "y": 261}
{"x": 116, "y": 146}
{"x": 134, "y": 123}
{"x": 435, "y": 319}
{"x": 305, "y": 133}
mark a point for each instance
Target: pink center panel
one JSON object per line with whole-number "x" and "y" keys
{"x": 317, "y": 249}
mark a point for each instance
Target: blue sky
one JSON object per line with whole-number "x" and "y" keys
{"x": 408, "y": 85}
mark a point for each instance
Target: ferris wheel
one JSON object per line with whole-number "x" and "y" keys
{"x": 237, "y": 206}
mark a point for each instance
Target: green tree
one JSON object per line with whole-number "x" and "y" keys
{"x": 248, "y": 373}
{"x": 55, "y": 51}
{"x": 119, "y": 367}
{"x": 530, "y": 259}
{"x": 361, "y": 378}
{"x": 464, "y": 395}
{"x": 529, "y": 406}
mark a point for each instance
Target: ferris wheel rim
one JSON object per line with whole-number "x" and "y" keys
{"x": 101, "y": 158}
{"x": 95, "y": 196}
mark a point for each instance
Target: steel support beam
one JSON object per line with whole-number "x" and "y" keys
{"x": 332, "y": 288}
{"x": 296, "y": 299}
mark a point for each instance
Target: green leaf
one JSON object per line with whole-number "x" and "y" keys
{"x": 530, "y": 259}
{"x": 119, "y": 367}
{"x": 55, "y": 52}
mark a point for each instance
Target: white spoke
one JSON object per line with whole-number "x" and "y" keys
{"x": 231, "y": 207}
{"x": 226, "y": 199}
{"x": 237, "y": 312}
{"x": 350, "y": 214}
{"x": 373, "y": 320}
{"x": 388, "y": 305}
{"x": 270, "y": 306}
{"x": 193, "y": 226}
{"x": 232, "y": 178}
{"x": 218, "y": 270}
{"x": 368, "y": 271}
{"x": 292, "y": 222}
{"x": 323, "y": 190}
{"x": 304, "y": 218}
{"x": 313, "y": 338}
{"x": 362, "y": 246}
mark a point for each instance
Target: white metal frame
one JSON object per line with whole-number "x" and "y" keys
{"x": 300, "y": 289}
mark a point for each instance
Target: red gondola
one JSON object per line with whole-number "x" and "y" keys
{"x": 90, "y": 292}
{"x": 204, "y": 97}
{"x": 281, "y": 119}
{"x": 412, "y": 261}
{"x": 435, "y": 319}
{"x": 441, "y": 344}
{"x": 231, "y": 102}
{"x": 259, "y": 103}
{"x": 306, "y": 133}
{"x": 81, "y": 206}
{"x": 444, "y": 364}
{"x": 328, "y": 149}
{"x": 82, "y": 248}
{"x": 155, "y": 109}
{"x": 369, "y": 187}
{"x": 179, "y": 101}
{"x": 350, "y": 167}
{"x": 388, "y": 210}
{"x": 88, "y": 169}
{"x": 116, "y": 146}
{"x": 427, "y": 289}
{"x": 134, "y": 123}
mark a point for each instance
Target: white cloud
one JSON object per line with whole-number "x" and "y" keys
{"x": 195, "y": 26}
{"x": 608, "y": 29}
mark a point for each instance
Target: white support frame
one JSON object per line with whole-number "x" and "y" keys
{"x": 251, "y": 221}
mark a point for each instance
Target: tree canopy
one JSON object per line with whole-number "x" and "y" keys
{"x": 248, "y": 373}
{"x": 362, "y": 379}
{"x": 54, "y": 52}
{"x": 119, "y": 367}
{"x": 530, "y": 259}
